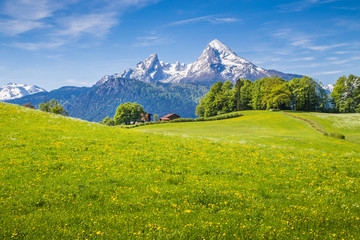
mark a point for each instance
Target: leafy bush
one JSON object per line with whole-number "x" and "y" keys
{"x": 220, "y": 117}
{"x": 183, "y": 120}
{"x": 108, "y": 121}
{"x": 337, "y": 135}
{"x": 53, "y": 106}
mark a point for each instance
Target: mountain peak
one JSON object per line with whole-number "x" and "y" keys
{"x": 15, "y": 90}
{"x": 216, "y": 44}
{"x": 150, "y": 62}
{"x": 217, "y": 62}
{"x": 152, "y": 57}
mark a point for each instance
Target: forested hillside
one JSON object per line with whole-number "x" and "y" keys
{"x": 98, "y": 102}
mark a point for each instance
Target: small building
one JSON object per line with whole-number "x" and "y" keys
{"x": 169, "y": 117}
{"x": 146, "y": 117}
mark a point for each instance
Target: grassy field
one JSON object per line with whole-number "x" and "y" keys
{"x": 261, "y": 176}
{"x": 345, "y": 123}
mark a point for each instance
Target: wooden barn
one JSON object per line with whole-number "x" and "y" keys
{"x": 169, "y": 117}
{"x": 146, "y": 117}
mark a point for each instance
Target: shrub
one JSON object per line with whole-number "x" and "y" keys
{"x": 183, "y": 120}
{"x": 108, "y": 121}
{"x": 337, "y": 135}
{"x": 220, "y": 117}
{"x": 53, "y": 106}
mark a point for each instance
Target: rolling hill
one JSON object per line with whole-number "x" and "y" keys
{"x": 262, "y": 175}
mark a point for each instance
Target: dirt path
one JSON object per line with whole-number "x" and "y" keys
{"x": 307, "y": 121}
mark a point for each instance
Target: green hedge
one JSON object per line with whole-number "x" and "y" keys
{"x": 335, "y": 135}
{"x": 214, "y": 118}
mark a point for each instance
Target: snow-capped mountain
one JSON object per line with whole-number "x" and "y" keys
{"x": 329, "y": 88}
{"x": 217, "y": 62}
{"x": 14, "y": 90}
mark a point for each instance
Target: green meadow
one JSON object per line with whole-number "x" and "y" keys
{"x": 264, "y": 175}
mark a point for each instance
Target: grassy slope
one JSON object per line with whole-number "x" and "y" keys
{"x": 347, "y": 124}
{"x": 63, "y": 178}
{"x": 261, "y": 128}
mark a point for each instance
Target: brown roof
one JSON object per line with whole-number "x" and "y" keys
{"x": 165, "y": 119}
{"x": 171, "y": 116}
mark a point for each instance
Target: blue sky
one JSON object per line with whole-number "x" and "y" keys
{"x": 76, "y": 42}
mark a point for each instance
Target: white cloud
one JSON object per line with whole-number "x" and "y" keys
{"x": 342, "y": 52}
{"x": 350, "y": 24}
{"x": 325, "y": 47}
{"x": 78, "y": 82}
{"x": 303, "y": 59}
{"x": 152, "y": 40}
{"x": 135, "y": 3}
{"x": 298, "y": 39}
{"x": 307, "y": 43}
{"x": 15, "y": 27}
{"x": 31, "y": 9}
{"x": 39, "y": 45}
{"x": 225, "y": 20}
{"x": 210, "y": 18}
{"x": 328, "y": 73}
{"x": 337, "y": 62}
{"x": 98, "y": 25}
{"x": 302, "y": 5}
{"x": 93, "y": 18}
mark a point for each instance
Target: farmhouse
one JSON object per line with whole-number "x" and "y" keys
{"x": 169, "y": 117}
{"x": 146, "y": 117}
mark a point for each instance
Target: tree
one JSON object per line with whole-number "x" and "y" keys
{"x": 246, "y": 93}
{"x": 323, "y": 100}
{"x": 217, "y": 101}
{"x": 53, "y": 106}
{"x": 208, "y": 106}
{"x": 156, "y": 117}
{"x": 237, "y": 94}
{"x": 224, "y": 102}
{"x": 200, "y": 108}
{"x": 258, "y": 93}
{"x": 275, "y": 93}
{"x": 128, "y": 112}
{"x": 346, "y": 94}
{"x": 279, "y": 95}
{"x": 304, "y": 94}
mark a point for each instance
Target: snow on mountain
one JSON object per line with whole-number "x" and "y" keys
{"x": 216, "y": 63}
{"x": 14, "y": 90}
{"x": 329, "y": 88}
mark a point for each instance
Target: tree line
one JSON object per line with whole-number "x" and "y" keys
{"x": 346, "y": 94}
{"x": 300, "y": 94}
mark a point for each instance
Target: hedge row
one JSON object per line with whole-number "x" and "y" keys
{"x": 218, "y": 117}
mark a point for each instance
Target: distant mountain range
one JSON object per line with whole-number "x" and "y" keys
{"x": 216, "y": 63}
{"x": 14, "y": 90}
{"x": 160, "y": 87}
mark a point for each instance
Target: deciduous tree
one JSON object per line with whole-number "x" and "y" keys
{"x": 128, "y": 112}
